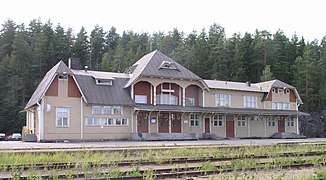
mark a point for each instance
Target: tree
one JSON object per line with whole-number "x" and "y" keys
{"x": 81, "y": 47}
{"x": 267, "y": 74}
{"x": 96, "y": 47}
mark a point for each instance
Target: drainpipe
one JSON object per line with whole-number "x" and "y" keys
{"x": 297, "y": 118}
{"x": 81, "y": 119}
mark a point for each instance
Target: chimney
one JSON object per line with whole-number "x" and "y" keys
{"x": 74, "y": 63}
{"x": 248, "y": 83}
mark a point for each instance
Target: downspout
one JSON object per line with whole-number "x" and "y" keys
{"x": 81, "y": 119}
{"x": 297, "y": 118}
{"x": 41, "y": 121}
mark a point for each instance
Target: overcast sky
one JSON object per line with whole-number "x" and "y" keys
{"x": 306, "y": 18}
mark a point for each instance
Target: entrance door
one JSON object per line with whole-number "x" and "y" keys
{"x": 281, "y": 124}
{"x": 229, "y": 128}
{"x": 176, "y": 122}
{"x": 163, "y": 123}
{"x": 207, "y": 125}
{"x": 142, "y": 122}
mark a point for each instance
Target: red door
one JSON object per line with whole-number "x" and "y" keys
{"x": 175, "y": 122}
{"x": 229, "y": 128}
{"x": 142, "y": 122}
{"x": 163, "y": 123}
{"x": 207, "y": 127}
{"x": 281, "y": 124}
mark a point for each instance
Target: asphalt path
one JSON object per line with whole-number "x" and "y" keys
{"x": 7, "y": 145}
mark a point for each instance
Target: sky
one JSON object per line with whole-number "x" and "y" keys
{"x": 305, "y": 18}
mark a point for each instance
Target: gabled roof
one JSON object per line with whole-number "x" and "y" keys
{"x": 268, "y": 85}
{"x": 150, "y": 65}
{"x": 59, "y": 68}
{"x": 236, "y": 86}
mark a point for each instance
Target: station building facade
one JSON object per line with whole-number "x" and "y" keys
{"x": 157, "y": 99}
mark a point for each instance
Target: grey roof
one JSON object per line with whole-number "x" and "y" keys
{"x": 104, "y": 94}
{"x": 59, "y": 68}
{"x": 220, "y": 110}
{"x": 237, "y": 86}
{"x": 268, "y": 85}
{"x": 149, "y": 65}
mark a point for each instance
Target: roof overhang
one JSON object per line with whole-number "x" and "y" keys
{"x": 219, "y": 110}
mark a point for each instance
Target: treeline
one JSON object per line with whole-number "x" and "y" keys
{"x": 28, "y": 52}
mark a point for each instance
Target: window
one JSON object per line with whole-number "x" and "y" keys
{"x": 63, "y": 77}
{"x": 218, "y": 120}
{"x": 271, "y": 122}
{"x": 291, "y": 121}
{"x": 223, "y": 100}
{"x": 281, "y": 105}
{"x": 96, "y": 110}
{"x": 106, "y": 110}
{"x": 168, "y": 65}
{"x": 103, "y": 81}
{"x": 250, "y": 101}
{"x": 96, "y": 121}
{"x": 287, "y": 91}
{"x": 117, "y": 110}
{"x": 167, "y": 99}
{"x": 273, "y": 90}
{"x": 280, "y": 90}
{"x": 142, "y": 99}
{"x": 62, "y": 117}
{"x": 194, "y": 120}
{"x": 190, "y": 101}
{"x": 241, "y": 121}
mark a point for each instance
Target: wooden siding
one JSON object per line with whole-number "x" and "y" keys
{"x": 73, "y": 90}
{"x": 192, "y": 91}
{"x": 53, "y": 89}
{"x": 143, "y": 88}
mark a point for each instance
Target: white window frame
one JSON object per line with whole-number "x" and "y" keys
{"x": 250, "y": 101}
{"x": 141, "y": 99}
{"x": 119, "y": 108}
{"x": 281, "y": 105}
{"x": 291, "y": 122}
{"x": 96, "y": 110}
{"x": 222, "y": 100}
{"x": 218, "y": 120}
{"x": 241, "y": 121}
{"x": 107, "y": 110}
{"x": 271, "y": 122}
{"x": 194, "y": 120}
{"x": 61, "y": 117}
{"x": 106, "y": 121}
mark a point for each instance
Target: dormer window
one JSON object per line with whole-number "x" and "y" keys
{"x": 287, "y": 91}
{"x": 104, "y": 82}
{"x": 280, "y": 90}
{"x": 273, "y": 90}
{"x": 168, "y": 65}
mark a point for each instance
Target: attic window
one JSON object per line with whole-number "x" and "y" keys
{"x": 287, "y": 91}
{"x": 168, "y": 65}
{"x": 63, "y": 76}
{"x": 104, "y": 82}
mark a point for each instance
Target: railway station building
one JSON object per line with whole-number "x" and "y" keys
{"x": 156, "y": 99}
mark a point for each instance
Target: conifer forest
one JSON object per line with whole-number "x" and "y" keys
{"x": 28, "y": 51}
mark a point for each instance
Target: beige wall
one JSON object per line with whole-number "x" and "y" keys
{"x": 268, "y": 105}
{"x": 107, "y": 132}
{"x": 257, "y": 127}
{"x": 280, "y": 97}
{"x": 236, "y": 98}
{"x": 50, "y": 129}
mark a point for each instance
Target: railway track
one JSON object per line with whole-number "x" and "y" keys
{"x": 173, "y": 160}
